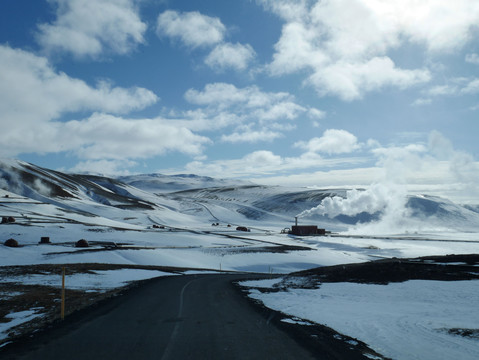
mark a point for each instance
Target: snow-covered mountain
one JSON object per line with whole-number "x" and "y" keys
{"x": 194, "y": 199}
{"x": 159, "y": 183}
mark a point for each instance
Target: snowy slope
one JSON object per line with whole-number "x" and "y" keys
{"x": 175, "y": 228}
{"x": 443, "y": 211}
{"x": 206, "y": 200}
{"x": 159, "y": 183}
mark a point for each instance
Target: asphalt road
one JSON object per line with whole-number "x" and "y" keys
{"x": 179, "y": 317}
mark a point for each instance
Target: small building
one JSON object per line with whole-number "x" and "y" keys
{"x": 45, "y": 240}
{"x": 82, "y": 243}
{"x": 304, "y": 230}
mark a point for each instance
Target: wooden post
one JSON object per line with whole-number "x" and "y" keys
{"x": 63, "y": 294}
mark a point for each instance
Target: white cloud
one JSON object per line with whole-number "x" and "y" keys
{"x": 225, "y": 95}
{"x": 108, "y": 137}
{"x": 439, "y": 90}
{"x": 335, "y": 178}
{"x": 236, "y": 56}
{"x": 265, "y": 162}
{"x": 443, "y": 26}
{"x": 440, "y": 146}
{"x": 472, "y": 58}
{"x": 369, "y": 31}
{"x": 350, "y": 81}
{"x": 281, "y": 110}
{"x": 249, "y": 101}
{"x": 196, "y": 30}
{"x": 287, "y": 9}
{"x": 462, "y": 165}
{"x": 219, "y": 94}
{"x": 264, "y": 112}
{"x": 472, "y": 87}
{"x": 436, "y": 165}
{"x": 193, "y": 29}
{"x": 246, "y": 134}
{"x": 32, "y": 91}
{"x": 316, "y": 114}
{"x": 421, "y": 102}
{"x": 435, "y": 169}
{"x": 344, "y": 44}
{"x": 104, "y": 137}
{"x": 34, "y": 97}
{"x": 296, "y": 50}
{"x": 456, "y": 86}
{"x": 91, "y": 27}
{"x": 401, "y": 162}
{"x": 262, "y": 158}
{"x": 103, "y": 167}
{"x": 333, "y": 141}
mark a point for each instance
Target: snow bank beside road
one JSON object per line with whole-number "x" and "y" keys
{"x": 416, "y": 319}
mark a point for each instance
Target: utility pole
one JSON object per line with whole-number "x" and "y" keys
{"x": 63, "y": 294}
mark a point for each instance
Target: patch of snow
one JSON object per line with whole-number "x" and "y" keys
{"x": 17, "y": 318}
{"x": 296, "y": 321}
{"x": 266, "y": 284}
{"x": 372, "y": 356}
{"x": 399, "y": 320}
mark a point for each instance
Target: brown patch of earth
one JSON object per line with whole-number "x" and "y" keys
{"x": 445, "y": 268}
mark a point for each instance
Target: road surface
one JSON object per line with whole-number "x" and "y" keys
{"x": 178, "y": 317}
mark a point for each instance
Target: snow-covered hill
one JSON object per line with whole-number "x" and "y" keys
{"x": 159, "y": 183}
{"x": 188, "y": 199}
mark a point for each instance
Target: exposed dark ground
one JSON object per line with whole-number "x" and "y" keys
{"x": 446, "y": 268}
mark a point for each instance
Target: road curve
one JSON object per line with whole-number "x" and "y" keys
{"x": 178, "y": 317}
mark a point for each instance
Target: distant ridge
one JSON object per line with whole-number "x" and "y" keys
{"x": 170, "y": 183}
{"x": 204, "y": 199}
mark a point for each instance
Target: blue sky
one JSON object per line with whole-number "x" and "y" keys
{"x": 327, "y": 93}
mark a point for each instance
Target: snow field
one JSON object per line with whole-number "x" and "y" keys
{"x": 408, "y": 320}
